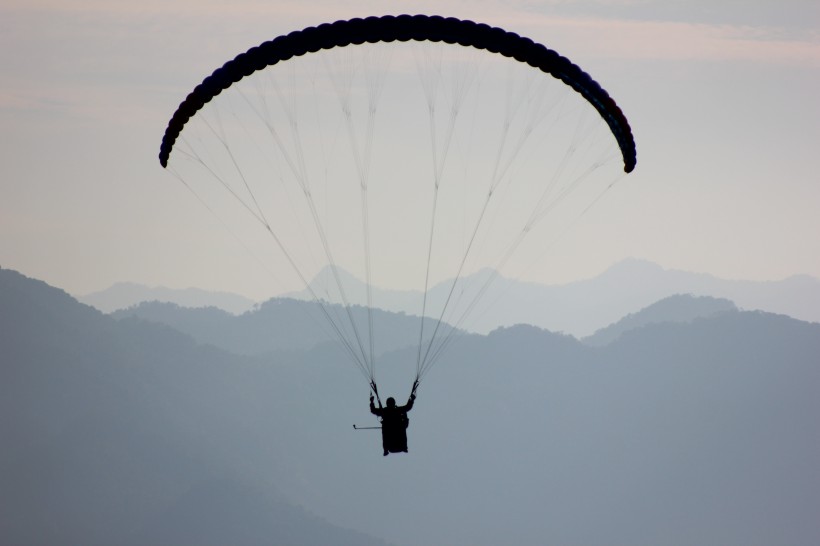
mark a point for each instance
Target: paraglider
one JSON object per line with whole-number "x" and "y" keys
{"x": 417, "y": 152}
{"x": 394, "y": 423}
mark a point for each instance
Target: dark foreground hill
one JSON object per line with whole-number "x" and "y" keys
{"x": 130, "y": 433}
{"x": 699, "y": 432}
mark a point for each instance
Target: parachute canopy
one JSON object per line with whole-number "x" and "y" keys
{"x": 401, "y": 164}
{"x": 403, "y": 28}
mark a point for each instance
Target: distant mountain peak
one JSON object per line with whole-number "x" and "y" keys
{"x": 123, "y": 295}
{"x": 675, "y": 308}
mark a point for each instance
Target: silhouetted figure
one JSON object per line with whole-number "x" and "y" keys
{"x": 394, "y": 424}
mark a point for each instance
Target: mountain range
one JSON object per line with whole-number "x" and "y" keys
{"x": 285, "y": 324}
{"x": 578, "y": 308}
{"x": 690, "y": 422}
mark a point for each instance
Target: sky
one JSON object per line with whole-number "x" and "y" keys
{"x": 721, "y": 96}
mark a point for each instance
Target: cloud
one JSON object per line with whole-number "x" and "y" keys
{"x": 18, "y": 101}
{"x": 92, "y": 54}
{"x": 602, "y": 28}
{"x": 672, "y": 41}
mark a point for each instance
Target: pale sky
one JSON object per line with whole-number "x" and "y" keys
{"x": 721, "y": 96}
